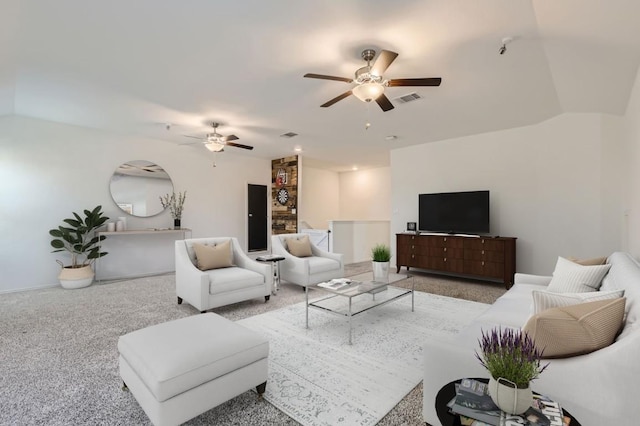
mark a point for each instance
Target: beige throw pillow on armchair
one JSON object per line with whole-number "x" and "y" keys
{"x": 299, "y": 247}
{"x": 213, "y": 257}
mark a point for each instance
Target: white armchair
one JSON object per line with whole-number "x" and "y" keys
{"x": 246, "y": 279}
{"x": 304, "y": 271}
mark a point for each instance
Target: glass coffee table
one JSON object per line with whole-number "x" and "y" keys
{"x": 348, "y": 298}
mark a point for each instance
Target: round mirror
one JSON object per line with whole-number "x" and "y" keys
{"x": 136, "y": 187}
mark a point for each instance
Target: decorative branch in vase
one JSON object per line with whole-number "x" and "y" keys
{"x": 175, "y": 203}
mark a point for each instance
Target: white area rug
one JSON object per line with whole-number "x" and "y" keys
{"x": 317, "y": 378}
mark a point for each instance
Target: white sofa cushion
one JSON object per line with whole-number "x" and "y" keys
{"x": 625, "y": 274}
{"x": 175, "y": 356}
{"x": 570, "y": 277}
{"x": 234, "y": 278}
{"x": 543, "y": 300}
{"x": 319, "y": 264}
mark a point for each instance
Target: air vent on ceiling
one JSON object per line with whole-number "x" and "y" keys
{"x": 288, "y": 135}
{"x": 407, "y": 98}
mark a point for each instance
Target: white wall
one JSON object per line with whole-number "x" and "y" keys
{"x": 632, "y": 152}
{"x": 319, "y": 200}
{"x": 355, "y": 238}
{"x": 551, "y": 186}
{"x": 365, "y": 194}
{"x": 48, "y": 170}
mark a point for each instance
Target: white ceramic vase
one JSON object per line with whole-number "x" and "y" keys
{"x": 380, "y": 271}
{"x": 508, "y": 398}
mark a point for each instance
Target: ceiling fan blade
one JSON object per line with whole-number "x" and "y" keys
{"x": 336, "y": 99}
{"x": 384, "y": 103}
{"x": 229, "y": 138}
{"x": 415, "y": 82}
{"x": 384, "y": 59}
{"x": 329, "y": 77}
{"x": 194, "y": 137}
{"x": 238, "y": 145}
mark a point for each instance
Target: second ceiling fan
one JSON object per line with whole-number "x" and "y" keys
{"x": 216, "y": 142}
{"x": 370, "y": 83}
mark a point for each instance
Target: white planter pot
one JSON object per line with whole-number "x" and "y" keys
{"x": 508, "y": 398}
{"x": 71, "y": 278}
{"x": 381, "y": 271}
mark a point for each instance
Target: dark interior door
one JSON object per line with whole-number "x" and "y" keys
{"x": 257, "y": 220}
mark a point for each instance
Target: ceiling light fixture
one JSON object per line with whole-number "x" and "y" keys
{"x": 214, "y": 146}
{"x": 368, "y": 91}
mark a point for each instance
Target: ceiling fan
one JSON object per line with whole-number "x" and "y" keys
{"x": 370, "y": 83}
{"x": 216, "y": 142}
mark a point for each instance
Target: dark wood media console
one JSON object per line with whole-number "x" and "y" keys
{"x": 490, "y": 258}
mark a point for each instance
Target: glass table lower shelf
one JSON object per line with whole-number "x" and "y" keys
{"x": 349, "y": 298}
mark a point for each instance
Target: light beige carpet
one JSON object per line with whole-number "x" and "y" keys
{"x": 59, "y": 354}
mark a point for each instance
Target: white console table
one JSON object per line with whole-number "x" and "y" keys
{"x": 138, "y": 252}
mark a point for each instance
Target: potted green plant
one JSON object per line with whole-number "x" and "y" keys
{"x": 381, "y": 256}
{"x": 175, "y": 204}
{"x": 78, "y": 237}
{"x": 513, "y": 362}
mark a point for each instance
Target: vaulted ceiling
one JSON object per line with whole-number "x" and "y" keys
{"x": 133, "y": 66}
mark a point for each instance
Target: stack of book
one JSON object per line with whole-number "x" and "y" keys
{"x": 476, "y": 408}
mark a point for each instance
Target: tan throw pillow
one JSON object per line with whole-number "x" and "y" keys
{"x": 589, "y": 262}
{"x": 213, "y": 256}
{"x": 576, "y": 329}
{"x": 299, "y": 247}
{"x": 543, "y": 300}
{"x": 569, "y": 277}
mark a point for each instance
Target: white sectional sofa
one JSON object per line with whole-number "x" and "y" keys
{"x": 599, "y": 388}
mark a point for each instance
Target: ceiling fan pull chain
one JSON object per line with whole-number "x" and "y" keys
{"x": 368, "y": 123}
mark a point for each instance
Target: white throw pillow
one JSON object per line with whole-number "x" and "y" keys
{"x": 543, "y": 300}
{"x": 569, "y": 277}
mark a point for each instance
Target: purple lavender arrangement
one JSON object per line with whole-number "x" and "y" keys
{"x": 510, "y": 354}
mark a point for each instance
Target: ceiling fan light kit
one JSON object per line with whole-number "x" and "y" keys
{"x": 215, "y": 142}
{"x": 214, "y": 146}
{"x": 369, "y": 81}
{"x": 368, "y": 92}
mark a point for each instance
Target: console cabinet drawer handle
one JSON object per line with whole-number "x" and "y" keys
{"x": 445, "y": 259}
{"x": 482, "y": 251}
{"x": 445, "y": 249}
{"x": 445, "y": 238}
{"x": 483, "y": 263}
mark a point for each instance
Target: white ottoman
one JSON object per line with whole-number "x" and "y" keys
{"x": 182, "y": 368}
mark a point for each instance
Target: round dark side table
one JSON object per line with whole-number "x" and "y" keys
{"x": 446, "y": 394}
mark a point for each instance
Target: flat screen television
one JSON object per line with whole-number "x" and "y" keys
{"x": 454, "y": 212}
